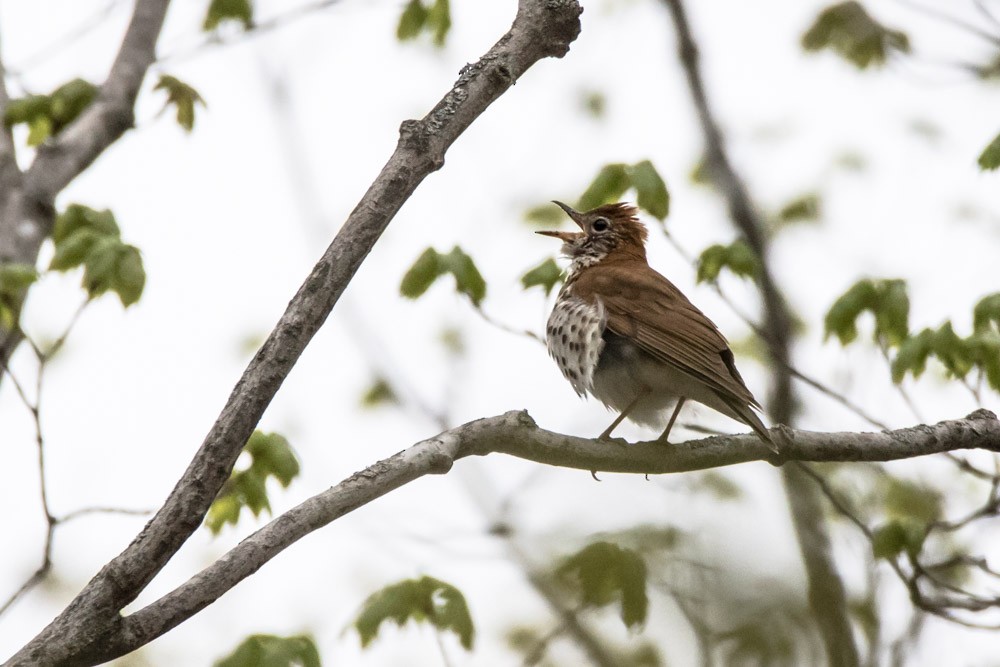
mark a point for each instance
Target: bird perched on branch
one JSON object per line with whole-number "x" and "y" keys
{"x": 624, "y": 333}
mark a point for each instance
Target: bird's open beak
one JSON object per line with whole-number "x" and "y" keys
{"x": 566, "y": 237}
{"x": 574, "y": 215}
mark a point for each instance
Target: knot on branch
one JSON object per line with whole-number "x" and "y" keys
{"x": 554, "y": 24}
{"x": 982, "y": 414}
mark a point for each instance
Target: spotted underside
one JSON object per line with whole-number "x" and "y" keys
{"x": 574, "y": 339}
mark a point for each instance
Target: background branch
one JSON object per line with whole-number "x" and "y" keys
{"x": 826, "y": 590}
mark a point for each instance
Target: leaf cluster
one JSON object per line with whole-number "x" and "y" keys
{"x": 273, "y": 651}
{"x": 850, "y": 31}
{"x": 431, "y": 265}
{"x": 887, "y": 300}
{"x": 47, "y": 115}
{"x": 270, "y": 456}
{"x": 423, "y": 600}
{"x": 92, "y": 239}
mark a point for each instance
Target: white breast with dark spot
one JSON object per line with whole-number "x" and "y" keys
{"x": 574, "y": 339}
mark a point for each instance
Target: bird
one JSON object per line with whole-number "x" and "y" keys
{"x": 623, "y": 333}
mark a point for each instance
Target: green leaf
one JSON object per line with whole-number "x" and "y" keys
{"x": 439, "y": 21}
{"x": 911, "y": 357}
{"x": 378, "y": 394}
{"x": 468, "y": 280}
{"x": 847, "y": 29}
{"x": 68, "y": 101}
{"x": 985, "y": 348}
{"x": 73, "y": 250}
{"x": 422, "y": 274}
{"x": 424, "y": 599}
{"x": 989, "y": 159}
{"x": 896, "y": 536}
{"x": 411, "y": 21}
{"x": 606, "y": 572}
{"x": 25, "y": 109}
{"x": 611, "y": 182}
{"x": 273, "y": 651}
{"x": 130, "y": 275}
{"x": 220, "y": 11}
{"x": 270, "y": 456}
{"x": 47, "y": 115}
{"x": 952, "y": 351}
{"x": 100, "y": 265}
{"x": 802, "y": 208}
{"x": 546, "y": 275}
{"x": 595, "y": 103}
{"x": 39, "y": 129}
{"x": 651, "y": 191}
{"x": 908, "y": 500}
{"x": 182, "y": 96}
{"x": 737, "y": 257}
{"x": 77, "y": 216}
{"x": 15, "y": 278}
{"x": 887, "y": 300}
{"x": 986, "y": 314}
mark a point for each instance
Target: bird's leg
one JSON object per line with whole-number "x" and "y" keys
{"x": 618, "y": 420}
{"x": 673, "y": 418}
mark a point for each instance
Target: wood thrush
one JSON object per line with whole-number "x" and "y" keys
{"x": 624, "y": 333}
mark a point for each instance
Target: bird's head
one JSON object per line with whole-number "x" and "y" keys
{"x": 603, "y": 230}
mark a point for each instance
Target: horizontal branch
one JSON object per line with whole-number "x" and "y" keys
{"x": 516, "y": 434}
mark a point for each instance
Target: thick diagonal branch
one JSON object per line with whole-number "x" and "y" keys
{"x": 516, "y": 434}
{"x": 542, "y": 28}
{"x": 826, "y": 590}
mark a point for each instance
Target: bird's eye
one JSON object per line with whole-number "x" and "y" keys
{"x": 601, "y": 225}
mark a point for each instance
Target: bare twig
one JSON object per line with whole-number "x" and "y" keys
{"x": 970, "y": 28}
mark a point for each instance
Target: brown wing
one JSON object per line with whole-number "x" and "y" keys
{"x": 646, "y": 307}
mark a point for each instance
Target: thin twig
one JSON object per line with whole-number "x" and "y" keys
{"x": 971, "y": 28}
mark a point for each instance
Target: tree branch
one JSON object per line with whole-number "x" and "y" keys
{"x": 79, "y": 635}
{"x": 516, "y": 434}
{"x": 826, "y": 590}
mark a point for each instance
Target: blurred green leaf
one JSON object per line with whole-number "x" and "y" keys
{"x": 431, "y": 265}
{"x": 47, "y": 115}
{"x": 802, "y": 208}
{"x": 737, "y": 257}
{"x": 468, "y": 280}
{"x": 417, "y": 17}
{"x": 611, "y": 182}
{"x": 439, "y": 21}
{"x": 989, "y": 159}
{"x": 908, "y": 500}
{"x": 700, "y": 174}
{"x": 273, "y": 651}
{"x": 986, "y": 315}
{"x": 847, "y": 29}
{"x": 220, "y": 11}
{"x": 15, "y": 278}
{"x": 421, "y": 275}
{"x": 77, "y": 216}
{"x": 378, "y": 394}
{"x": 605, "y": 573}
{"x": 985, "y": 351}
{"x": 546, "y": 275}
{"x": 912, "y": 356}
{"x": 270, "y": 456}
{"x": 898, "y": 536}
{"x": 594, "y": 103}
{"x": 887, "y": 300}
{"x": 424, "y": 599}
{"x": 183, "y": 97}
{"x": 651, "y": 191}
